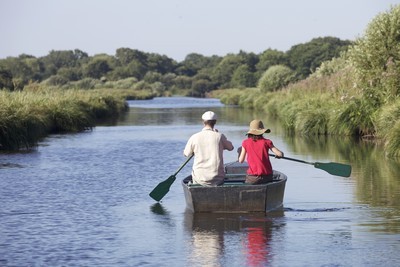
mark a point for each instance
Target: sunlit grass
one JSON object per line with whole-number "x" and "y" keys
{"x": 325, "y": 105}
{"x": 26, "y": 116}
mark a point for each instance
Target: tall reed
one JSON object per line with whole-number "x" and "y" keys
{"x": 27, "y": 116}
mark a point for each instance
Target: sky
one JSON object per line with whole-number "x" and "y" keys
{"x": 176, "y": 28}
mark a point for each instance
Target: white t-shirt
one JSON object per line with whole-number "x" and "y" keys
{"x": 208, "y": 146}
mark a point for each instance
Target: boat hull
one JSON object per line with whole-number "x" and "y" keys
{"x": 234, "y": 196}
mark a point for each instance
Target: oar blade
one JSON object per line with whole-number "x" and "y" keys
{"x": 162, "y": 188}
{"x": 334, "y": 168}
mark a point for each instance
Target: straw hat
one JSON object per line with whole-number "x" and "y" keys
{"x": 257, "y": 128}
{"x": 209, "y": 116}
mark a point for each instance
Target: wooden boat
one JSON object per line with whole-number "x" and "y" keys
{"x": 234, "y": 196}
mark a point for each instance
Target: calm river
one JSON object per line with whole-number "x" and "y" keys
{"x": 82, "y": 199}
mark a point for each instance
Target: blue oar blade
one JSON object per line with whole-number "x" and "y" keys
{"x": 333, "y": 168}
{"x": 162, "y": 188}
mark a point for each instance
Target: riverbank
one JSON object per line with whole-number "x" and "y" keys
{"x": 356, "y": 94}
{"x": 324, "y": 106}
{"x": 29, "y": 115}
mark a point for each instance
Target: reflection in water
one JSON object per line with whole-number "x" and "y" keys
{"x": 257, "y": 246}
{"x": 212, "y": 234}
{"x": 184, "y": 111}
{"x": 157, "y": 208}
{"x": 207, "y": 239}
{"x": 82, "y": 199}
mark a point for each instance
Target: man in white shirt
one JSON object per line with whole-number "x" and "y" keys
{"x": 207, "y": 147}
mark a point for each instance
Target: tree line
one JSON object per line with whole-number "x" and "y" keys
{"x": 194, "y": 76}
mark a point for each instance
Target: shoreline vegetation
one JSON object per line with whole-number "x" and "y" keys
{"x": 353, "y": 93}
{"x": 28, "y": 116}
{"x": 356, "y": 94}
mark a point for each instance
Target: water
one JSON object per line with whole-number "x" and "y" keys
{"x": 82, "y": 199}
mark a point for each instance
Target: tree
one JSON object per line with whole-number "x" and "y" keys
{"x": 223, "y": 72}
{"x": 271, "y": 57}
{"x": 97, "y": 67}
{"x": 376, "y": 58}
{"x": 305, "y": 58}
{"x": 126, "y": 55}
{"x": 160, "y": 63}
{"x": 183, "y": 82}
{"x": 275, "y": 78}
{"x": 192, "y": 64}
{"x": 201, "y": 87}
{"x": 152, "y": 77}
{"x": 6, "y": 79}
{"x": 242, "y": 77}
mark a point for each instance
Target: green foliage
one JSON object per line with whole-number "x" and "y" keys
{"x": 27, "y": 116}
{"x": 376, "y": 58}
{"x": 182, "y": 82}
{"x": 331, "y": 67}
{"x": 242, "y": 77}
{"x": 305, "y": 58}
{"x": 271, "y": 57}
{"x": 387, "y": 116}
{"x": 228, "y": 96}
{"x": 97, "y": 68}
{"x": 392, "y": 143}
{"x": 55, "y": 80}
{"x": 233, "y": 70}
{"x": 388, "y": 127}
{"x": 6, "y": 80}
{"x": 125, "y": 56}
{"x": 224, "y": 70}
{"x": 200, "y": 87}
{"x": 276, "y": 77}
{"x": 152, "y": 77}
{"x": 128, "y": 83}
{"x": 355, "y": 117}
{"x": 356, "y": 94}
{"x": 312, "y": 122}
{"x": 193, "y": 63}
{"x": 87, "y": 83}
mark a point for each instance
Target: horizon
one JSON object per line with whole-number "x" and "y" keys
{"x": 177, "y": 28}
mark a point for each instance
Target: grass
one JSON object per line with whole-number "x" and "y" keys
{"x": 29, "y": 115}
{"x": 325, "y": 105}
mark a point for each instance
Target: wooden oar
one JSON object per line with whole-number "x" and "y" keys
{"x": 162, "y": 188}
{"x": 333, "y": 168}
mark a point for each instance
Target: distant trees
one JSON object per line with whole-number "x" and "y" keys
{"x": 271, "y": 57}
{"x": 195, "y": 75}
{"x": 6, "y": 80}
{"x": 305, "y": 58}
{"x": 98, "y": 67}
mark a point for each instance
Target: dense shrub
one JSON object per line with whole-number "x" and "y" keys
{"x": 275, "y": 77}
{"x": 376, "y": 58}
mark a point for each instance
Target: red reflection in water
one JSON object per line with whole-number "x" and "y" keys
{"x": 257, "y": 246}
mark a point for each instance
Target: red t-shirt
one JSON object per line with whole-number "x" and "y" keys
{"x": 257, "y": 156}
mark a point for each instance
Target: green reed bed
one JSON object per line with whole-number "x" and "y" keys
{"x": 388, "y": 125}
{"x": 305, "y": 109}
{"x": 29, "y": 115}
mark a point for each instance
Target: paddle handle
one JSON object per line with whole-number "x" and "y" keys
{"x": 297, "y": 160}
{"x": 183, "y": 165}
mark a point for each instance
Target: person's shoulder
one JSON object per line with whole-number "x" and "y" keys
{"x": 246, "y": 140}
{"x": 268, "y": 141}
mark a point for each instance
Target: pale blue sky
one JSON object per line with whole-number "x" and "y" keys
{"x": 176, "y": 28}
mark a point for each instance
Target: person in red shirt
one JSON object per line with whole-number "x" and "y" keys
{"x": 256, "y": 148}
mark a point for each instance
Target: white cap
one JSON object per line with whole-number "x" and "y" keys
{"x": 209, "y": 116}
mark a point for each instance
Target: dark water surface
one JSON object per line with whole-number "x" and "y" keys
{"x": 82, "y": 199}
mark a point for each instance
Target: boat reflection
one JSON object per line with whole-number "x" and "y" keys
{"x": 214, "y": 235}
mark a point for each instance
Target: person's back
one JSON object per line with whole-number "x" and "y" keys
{"x": 257, "y": 155}
{"x": 208, "y": 146}
{"x": 256, "y": 148}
